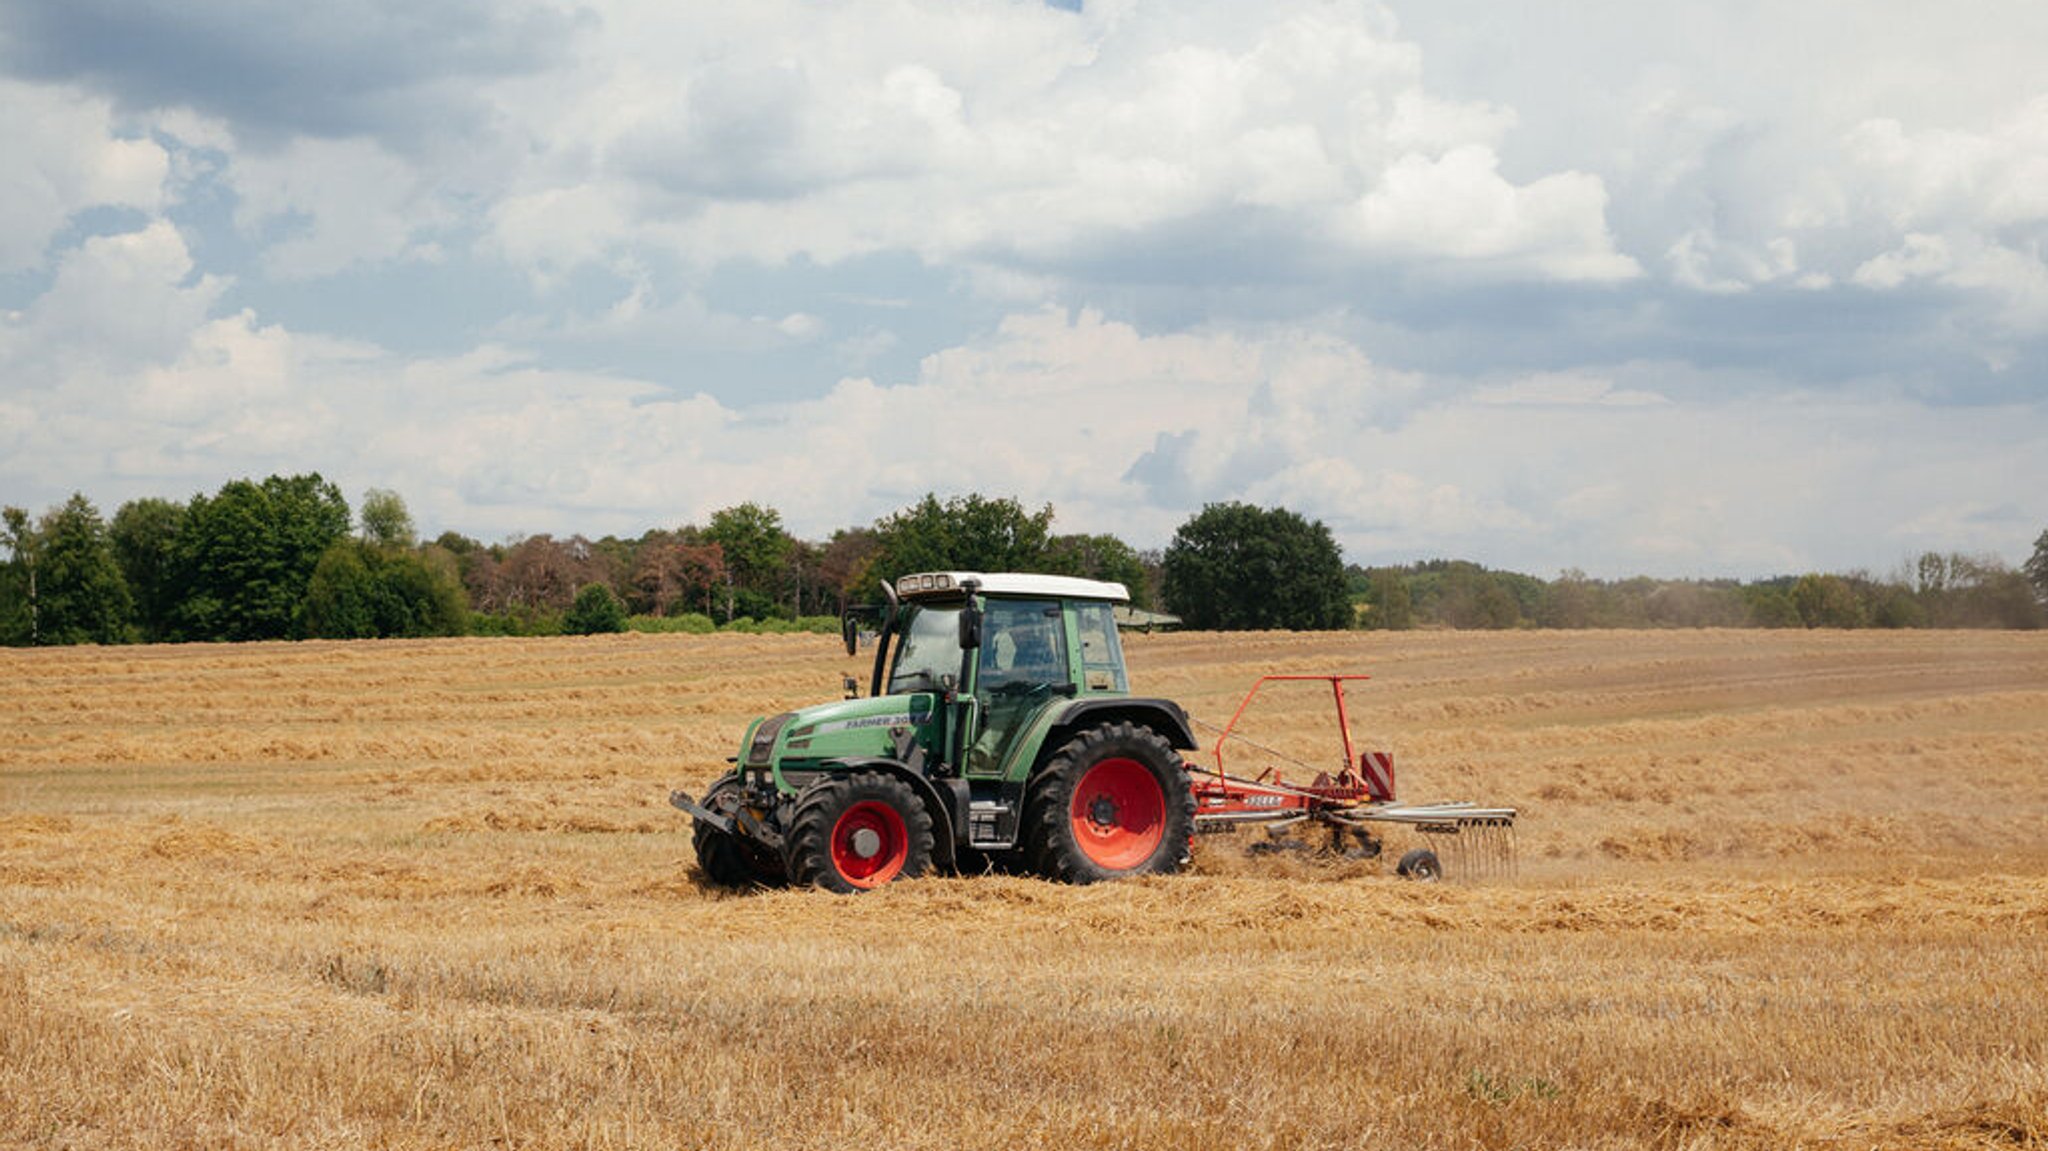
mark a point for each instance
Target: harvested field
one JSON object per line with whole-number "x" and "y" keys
{"x": 1776, "y": 889}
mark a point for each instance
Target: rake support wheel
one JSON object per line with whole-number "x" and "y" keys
{"x": 1420, "y": 865}
{"x": 722, "y": 858}
{"x": 1113, "y": 801}
{"x": 857, "y": 832}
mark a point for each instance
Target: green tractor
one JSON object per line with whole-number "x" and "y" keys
{"x": 998, "y": 729}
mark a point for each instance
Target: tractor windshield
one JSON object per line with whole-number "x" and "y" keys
{"x": 930, "y": 649}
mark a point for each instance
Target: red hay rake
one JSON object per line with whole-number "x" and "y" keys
{"x": 1478, "y": 842}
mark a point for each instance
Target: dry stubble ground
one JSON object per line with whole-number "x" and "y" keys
{"x": 1776, "y": 889}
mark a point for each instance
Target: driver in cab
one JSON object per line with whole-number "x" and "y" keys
{"x": 1025, "y": 650}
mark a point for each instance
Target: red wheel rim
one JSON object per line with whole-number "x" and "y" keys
{"x": 1118, "y": 814}
{"x": 870, "y": 843}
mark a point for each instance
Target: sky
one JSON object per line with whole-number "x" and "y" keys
{"x": 1740, "y": 289}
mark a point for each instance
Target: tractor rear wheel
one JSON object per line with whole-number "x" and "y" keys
{"x": 856, "y": 832}
{"x": 724, "y": 859}
{"x": 1113, "y": 801}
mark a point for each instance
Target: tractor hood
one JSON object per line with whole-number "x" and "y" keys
{"x": 853, "y": 727}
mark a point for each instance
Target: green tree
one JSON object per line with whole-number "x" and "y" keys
{"x": 965, "y": 533}
{"x": 1569, "y": 601}
{"x": 1771, "y": 606}
{"x": 1695, "y": 603}
{"x": 384, "y": 585}
{"x": 386, "y": 522}
{"x": 1894, "y": 606}
{"x": 341, "y": 598}
{"x": 1473, "y": 597}
{"x": 247, "y": 554}
{"x": 1959, "y": 590}
{"x": 145, "y": 538}
{"x": 82, "y": 597}
{"x": 2036, "y": 568}
{"x": 1827, "y": 601}
{"x": 2002, "y": 597}
{"x": 1099, "y": 557}
{"x": 1234, "y": 566}
{"x": 416, "y": 596}
{"x": 458, "y": 545}
{"x": 363, "y": 592}
{"x": 757, "y": 559}
{"x": 1462, "y": 594}
{"x": 597, "y": 609}
{"x": 1931, "y": 572}
{"x": 1389, "y": 606}
{"x": 19, "y": 626}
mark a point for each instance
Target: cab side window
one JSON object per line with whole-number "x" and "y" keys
{"x": 1022, "y": 643}
{"x": 1102, "y": 657}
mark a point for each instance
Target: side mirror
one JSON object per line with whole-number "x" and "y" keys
{"x": 970, "y": 619}
{"x": 849, "y": 630}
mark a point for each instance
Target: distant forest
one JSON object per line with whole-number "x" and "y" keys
{"x": 286, "y": 558}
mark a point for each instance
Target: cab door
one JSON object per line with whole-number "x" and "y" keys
{"x": 1022, "y": 668}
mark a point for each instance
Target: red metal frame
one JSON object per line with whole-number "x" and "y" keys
{"x": 1225, "y": 798}
{"x": 1336, "y": 683}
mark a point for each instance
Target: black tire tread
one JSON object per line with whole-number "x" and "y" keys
{"x": 818, "y": 808}
{"x": 1421, "y": 865}
{"x": 724, "y": 860}
{"x": 1048, "y": 839}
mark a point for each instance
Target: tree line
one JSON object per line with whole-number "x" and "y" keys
{"x": 286, "y": 558}
{"x": 1934, "y": 591}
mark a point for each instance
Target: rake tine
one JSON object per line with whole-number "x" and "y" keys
{"x": 1482, "y": 849}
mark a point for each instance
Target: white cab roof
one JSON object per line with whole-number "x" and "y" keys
{"x": 946, "y": 585}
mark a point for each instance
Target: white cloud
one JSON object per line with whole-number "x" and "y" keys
{"x": 59, "y": 155}
{"x": 1972, "y": 210}
{"x": 1993, "y": 176}
{"x": 337, "y": 204}
{"x": 1917, "y": 256}
{"x": 551, "y": 230}
{"x": 1704, "y": 260}
{"x": 1429, "y": 125}
{"x": 115, "y": 300}
{"x": 641, "y": 314}
{"x": 1565, "y": 389}
{"x": 1121, "y": 430}
{"x": 1794, "y": 147}
{"x": 1013, "y": 133}
{"x": 1459, "y": 208}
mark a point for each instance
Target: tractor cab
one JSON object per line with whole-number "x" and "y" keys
{"x": 998, "y": 649}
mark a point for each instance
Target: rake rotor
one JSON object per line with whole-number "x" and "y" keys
{"x": 1477, "y": 843}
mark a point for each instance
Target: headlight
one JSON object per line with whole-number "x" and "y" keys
{"x": 924, "y": 582}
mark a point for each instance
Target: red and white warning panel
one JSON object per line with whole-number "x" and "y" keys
{"x": 1378, "y": 769}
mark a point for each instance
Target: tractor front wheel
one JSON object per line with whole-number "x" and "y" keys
{"x": 725, "y": 860}
{"x": 1113, "y": 801}
{"x": 856, "y": 832}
